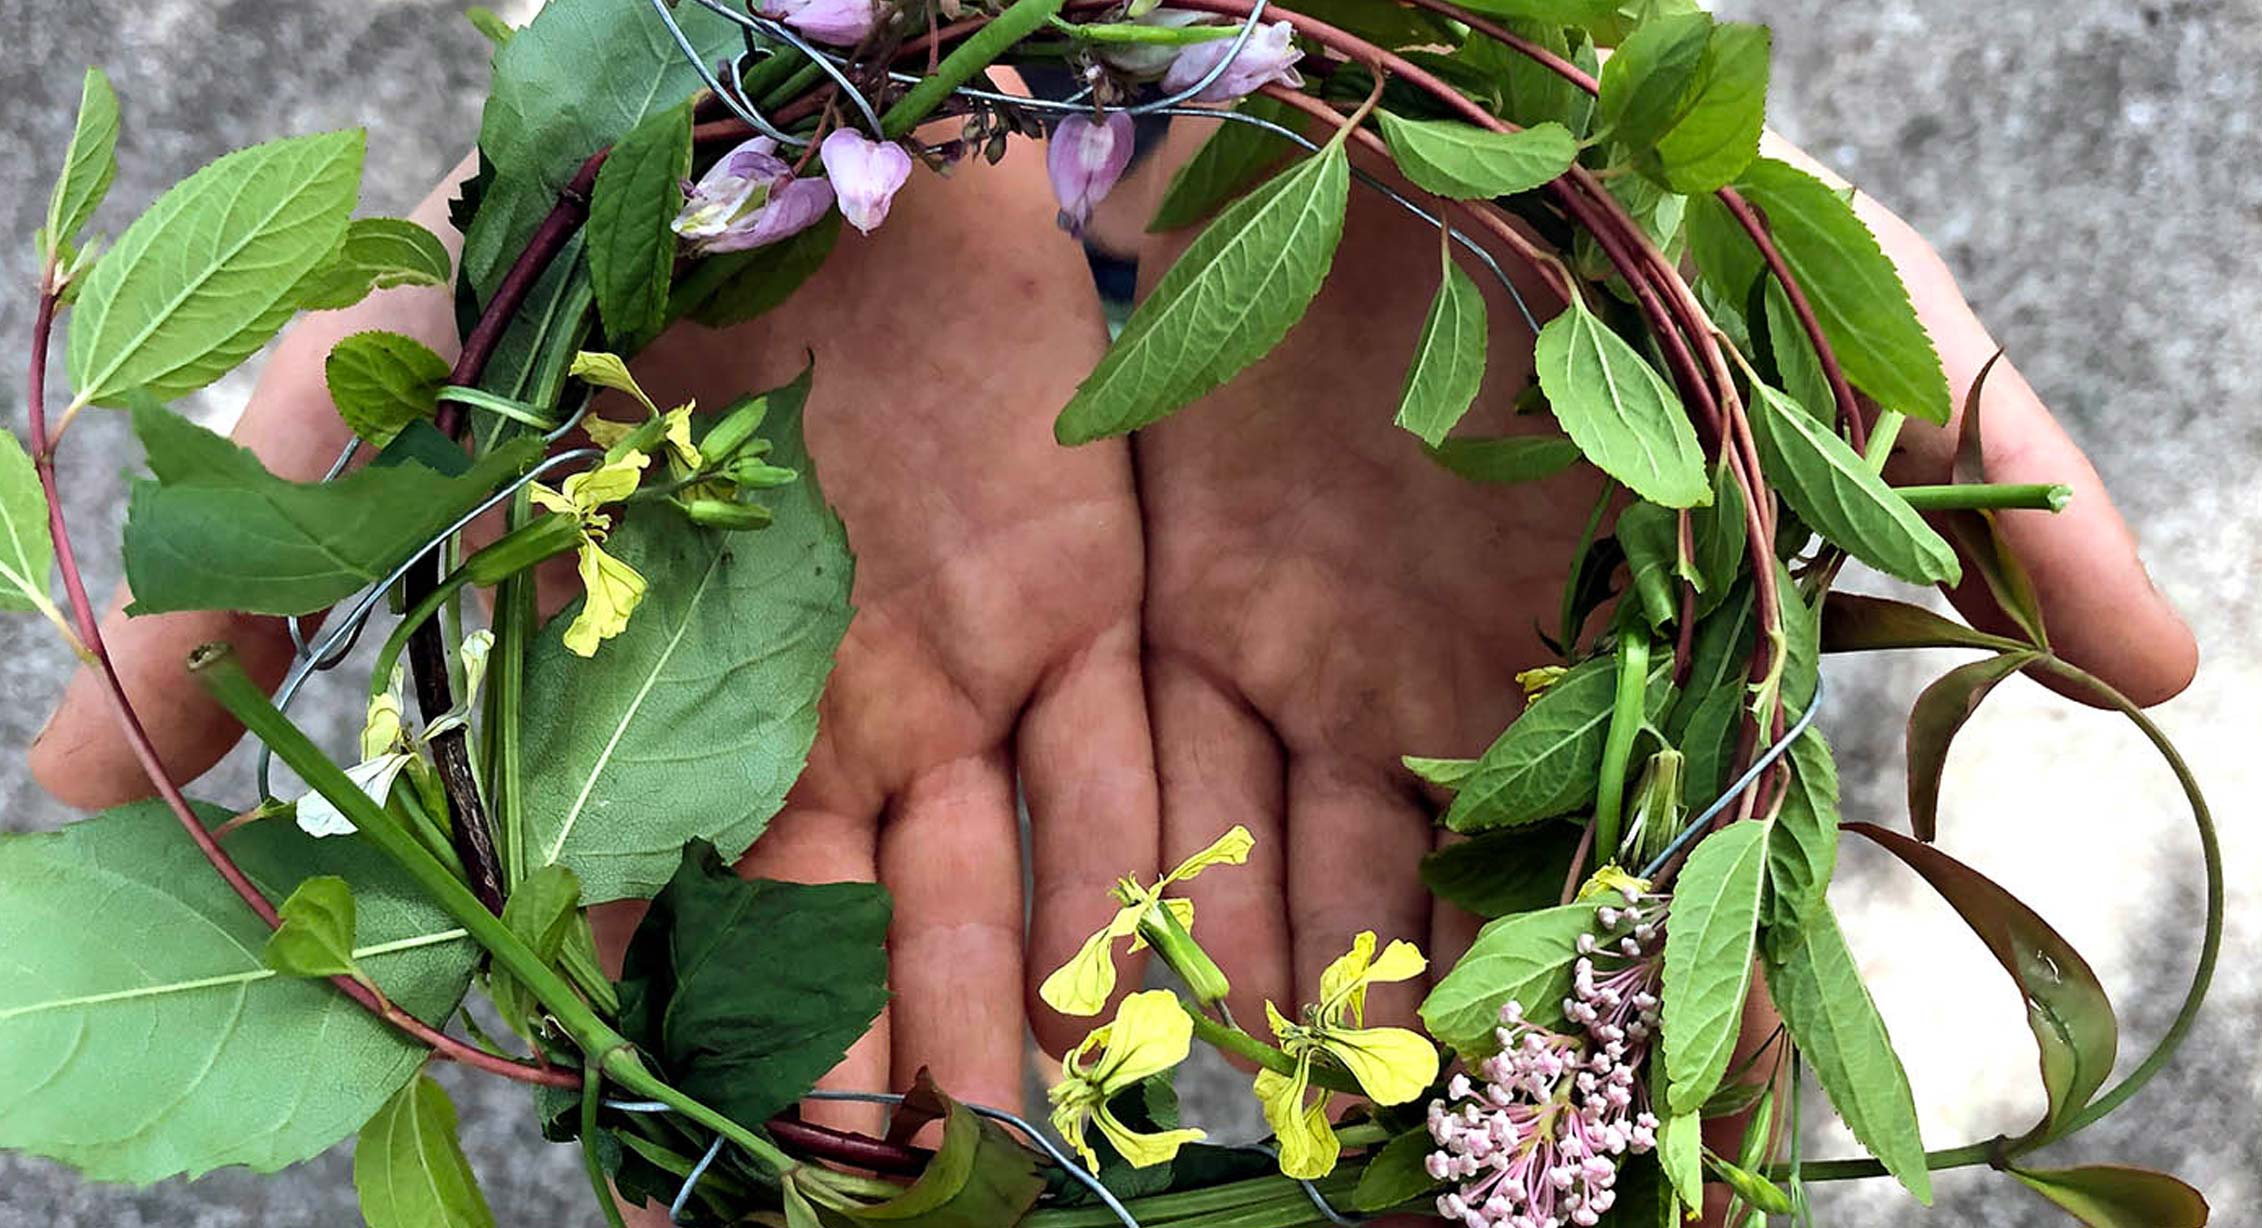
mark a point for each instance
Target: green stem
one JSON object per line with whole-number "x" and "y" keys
{"x": 2030, "y": 496}
{"x": 795, "y": 86}
{"x": 1132, "y": 32}
{"x": 978, "y": 52}
{"x": 1242, "y": 1045}
{"x": 1627, "y": 714}
{"x": 592, "y": 1084}
{"x": 1882, "y": 433}
{"x": 389, "y": 656}
{"x": 513, "y": 623}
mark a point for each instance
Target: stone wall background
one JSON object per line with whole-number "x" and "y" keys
{"x": 2090, "y": 168}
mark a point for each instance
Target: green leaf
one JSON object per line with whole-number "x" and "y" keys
{"x": 379, "y": 253}
{"x": 1384, "y": 23}
{"x": 1464, "y": 162}
{"x": 1445, "y": 773}
{"x": 578, "y": 77}
{"x": 1763, "y": 1195}
{"x": 90, "y": 164}
{"x": 1525, "y": 958}
{"x": 1680, "y": 1149}
{"x": 1500, "y": 873}
{"x": 1230, "y": 298}
{"x": 1721, "y": 538}
{"x": 543, "y": 911}
{"x": 119, "y": 935}
{"x": 493, "y": 28}
{"x": 1830, "y": 1014}
{"x": 747, "y": 991}
{"x": 2066, "y": 1008}
{"x": 1852, "y": 622}
{"x": 980, "y": 1177}
{"x": 1396, "y": 1175}
{"x": 2112, "y": 1196}
{"x": 1833, "y": 489}
{"x": 632, "y": 249}
{"x": 383, "y": 381}
{"x": 1708, "y": 954}
{"x": 1939, "y": 715}
{"x": 1560, "y": 12}
{"x": 735, "y": 287}
{"x": 1545, "y": 763}
{"x": 1856, "y": 293}
{"x": 316, "y": 935}
{"x": 1507, "y": 460}
{"x": 1802, "y": 849}
{"x": 1232, "y": 159}
{"x": 1620, "y": 411}
{"x": 694, "y": 721}
{"x": 216, "y": 531}
{"x": 1724, "y": 253}
{"x": 1714, "y": 133}
{"x": 1643, "y": 82}
{"x": 1530, "y": 92}
{"x": 1795, "y": 358}
{"x": 409, "y": 1166}
{"x": 1650, "y": 536}
{"x": 209, "y": 273}
{"x": 1448, "y": 366}
{"x": 27, "y": 548}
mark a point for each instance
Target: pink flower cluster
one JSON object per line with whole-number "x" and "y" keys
{"x": 1536, "y": 1143}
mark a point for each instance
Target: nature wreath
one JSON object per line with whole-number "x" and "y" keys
{"x": 1650, "y": 837}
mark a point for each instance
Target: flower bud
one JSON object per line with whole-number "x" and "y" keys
{"x": 1085, "y": 160}
{"x": 1171, "y": 940}
{"x": 749, "y": 198}
{"x": 865, "y": 175}
{"x": 754, "y": 473}
{"x": 738, "y": 423}
{"x": 544, "y": 537}
{"x": 725, "y": 514}
{"x": 842, "y": 23}
{"x": 1269, "y": 56}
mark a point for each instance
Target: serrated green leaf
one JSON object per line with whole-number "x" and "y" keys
{"x": 1833, "y": 489}
{"x": 1721, "y": 538}
{"x": 253, "y": 1068}
{"x": 1448, "y": 366}
{"x": 1650, "y": 536}
{"x": 378, "y": 253}
{"x": 735, "y": 287}
{"x": 211, "y": 271}
{"x": 747, "y": 991}
{"x": 1644, "y": 81}
{"x": 90, "y": 164}
{"x": 409, "y": 1168}
{"x": 1498, "y": 873}
{"x": 1829, "y": 1013}
{"x": 1447, "y": 773}
{"x": 1530, "y": 92}
{"x": 1545, "y": 763}
{"x": 216, "y": 531}
{"x": 1939, "y": 714}
{"x": 27, "y": 548}
{"x": 1396, "y": 1174}
{"x": 1796, "y": 363}
{"x": 1802, "y": 850}
{"x": 1619, "y": 410}
{"x": 1525, "y": 958}
{"x": 1724, "y": 254}
{"x": 1507, "y": 460}
{"x": 1230, "y": 298}
{"x": 316, "y": 936}
{"x": 695, "y": 720}
{"x": 2068, "y": 1011}
{"x": 1856, "y": 293}
{"x": 2114, "y": 1196}
{"x": 1680, "y": 1150}
{"x": 1232, "y": 159}
{"x": 1465, "y": 162}
{"x": 383, "y": 381}
{"x": 1714, "y": 132}
{"x": 639, "y": 191}
{"x": 1560, "y": 12}
{"x": 1708, "y": 955}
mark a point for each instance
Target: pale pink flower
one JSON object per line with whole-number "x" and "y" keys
{"x": 865, "y": 175}
{"x": 1085, "y": 160}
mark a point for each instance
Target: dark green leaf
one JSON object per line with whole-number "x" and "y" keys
{"x": 1939, "y": 715}
{"x": 1448, "y": 366}
{"x": 1651, "y": 538}
{"x": 1796, "y": 362}
{"x": 1545, "y": 763}
{"x": 1561, "y": 12}
{"x": 1708, "y": 954}
{"x": 1802, "y": 850}
{"x": 316, "y": 935}
{"x": 1714, "y": 132}
{"x": 543, "y": 911}
{"x": 747, "y": 991}
{"x": 1525, "y": 958}
{"x": 27, "y": 549}
{"x": 1500, "y": 873}
{"x": 409, "y": 1166}
{"x": 1507, "y": 460}
{"x": 1733, "y": 1099}
{"x": 216, "y": 531}
{"x": 1233, "y": 158}
{"x": 90, "y": 163}
{"x": 632, "y": 250}
{"x": 1396, "y": 1175}
{"x": 1830, "y": 1014}
{"x": 1381, "y": 22}
{"x": 1856, "y": 294}
{"x": 980, "y": 1177}
{"x": 378, "y": 253}
{"x": 1621, "y": 412}
{"x": 1833, "y": 489}
{"x": 383, "y": 381}
{"x": 1723, "y": 252}
{"x": 145, "y": 1039}
{"x": 1763, "y": 1195}
{"x": 208, "y": 274}
{"x": 1230, "y": 298}
{"x": 1464, "y": 162}
{"x": 1643, "y": 83}
{"x": 1721, "y": 538}
{"x": 739, "y": 286}
{"x": 1852, "y": 622}
{"x": 2111, "y": 1196}
{"x": 2072, "y": 1019}
{"x": 1530, "y": 92}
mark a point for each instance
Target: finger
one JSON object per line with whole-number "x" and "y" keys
{"x": 296, "y": 432}
{"x": 1087, "y": 770}
{"x": 1354, "y": 863}
{"x": 955, "y": 945}
{"x": 1220, "y": 765}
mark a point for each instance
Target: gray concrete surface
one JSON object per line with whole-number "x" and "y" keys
{"x": 2088, "y": 166}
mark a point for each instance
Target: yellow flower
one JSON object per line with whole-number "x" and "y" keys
{"x": 613, "y": 587}
{"x": 1151, "y": 1034}
{"x": 1082, "y": 985}
{"x": 603, "y": 370}
{"x": 1536, "y": 681}
{"x": 1610, "y": 880}
{"x": 1391, "y": 1065}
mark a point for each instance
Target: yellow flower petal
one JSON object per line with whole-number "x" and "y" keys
{"x": 381, "y": 728}
{"x": 605, "y": 432}
{"x": 1151, "y": 1034}
{"x": 1230, "y": 849}
{"x": 1308, "y": 1146}
{"x": 550, "y": 500}
{"x": 1393, "y": 1065}
{"x": 1143, "y": 1150}
{"x": 1069, "y": 1114}
{"x": 607, "y": 483}
{"x": 608, "y": 371}
{"x": 1081, "y": 986}
{"x": 614, "y": 589}
{"x": 1343, "y": 986}
{"x": 678, "y": 434}
{"x": 1280, "y": 1025}
{"x": 1610, "y": 880}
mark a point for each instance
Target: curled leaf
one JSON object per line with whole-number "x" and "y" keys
{"x": 2113, "y": 1196}
{"x": 1940, "y": 713}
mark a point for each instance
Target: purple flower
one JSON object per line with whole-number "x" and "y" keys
{"x": 1085, "y": 159}
{"x": 866, "y": 175}
{"x": 1269, "y": 56}
{"x": 749, "y": 198}
{"x": 843, "y": 23}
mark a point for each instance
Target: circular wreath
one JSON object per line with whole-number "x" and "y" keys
{"x": 1718, "y": 335}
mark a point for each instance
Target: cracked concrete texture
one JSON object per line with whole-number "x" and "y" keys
{"x": 2087, "y": 166}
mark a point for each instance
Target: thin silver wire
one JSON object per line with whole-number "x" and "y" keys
{"x": 691, "y": 1182}
{"x": 1082, "y": 1176}
{"x": 1751, "y": 776}
{"x": 1319, "y": 1201}
{"x": 783, "y": 33}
